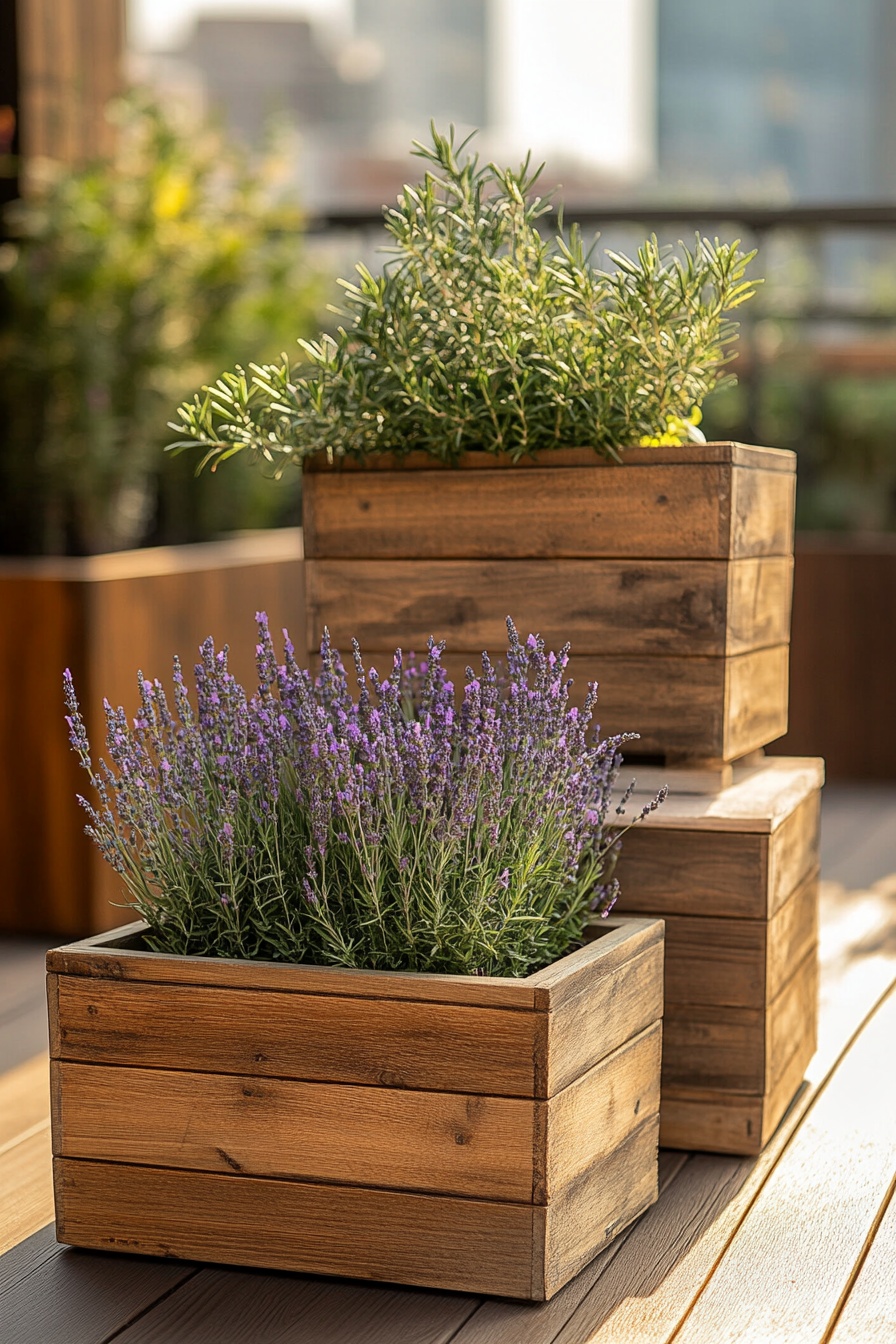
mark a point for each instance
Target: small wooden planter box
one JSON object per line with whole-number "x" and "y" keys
{"x": 671, "y": 577}
{"x": 105, "y": 616}
{"x": 479, "y": 1134}
{"x": 735, "y": 877}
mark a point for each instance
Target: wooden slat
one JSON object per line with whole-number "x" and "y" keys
{"x": 24, "y": 1098}
{"x": 26, "y": 1191}
{"x": 869, "y": 1314}
{"x": 214, "y": 1307}
{"x": 739, "y": 1049}
{"x": 586, "y": 1028}
{"x": 589, "y": 1119}
{"x": 756, "y": 700}
{"x": 49, "y": 1293}
{"x": 644, "y": 1288}
{"x": 739, "y": 963}
{"x": 443, "y": 1143}
{"x": 312, "y": 1037}
{"x": 758, "y": 802}
{"x": 120, "y": 955}
{"x": 763, "y": 506}
{"x": 596, "y": 1207}
{"x": 832, "y": 1182}
{"x": 660, "y": 512}
{"x": 442, "y": 1242}
{"x": 690, "y": 608}
{"x": 740, "y": 454}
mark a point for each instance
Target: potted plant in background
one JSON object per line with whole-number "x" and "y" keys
{"x": 361, "y": 973}
{"x": 486, "y": 345}
{"x": 122, "y": 283}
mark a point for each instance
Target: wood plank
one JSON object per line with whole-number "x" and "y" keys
{"x": 694, "y": 607}
{"x": 610, "y": 1011}
{"x": 443, "y": 1143}
{"x": 271, "y": 546}
{"x": 111, "y": 960}
{"x": 589, "y": 1119}
{"x": 793, "y": 850}
{"x": 24, "y": 1098}
{"x": 739, "y": 962}
{"x": 758, "y": 605}
{"x": 741, "y": 454}
{"x": 646, "y": 1289}
{"x": 680, "y": 510}
{"x": 832, "y": 1182}
{"x": 689, "y": 873}
{"x": 120, "y": 954}
{"x": 433, "y": 1241}
{"x": 596, "y": 1207}
{"x": 49, "y": 1293}
{"x": 218, "y": 1305}
{"x": 739, "y": 1049}
{"x": 763, "y": 507}
{"x": 758, "y": 802}
{"x": 497, "y": 1322}
{"x": 311, "y": 1037}
{"x": 756, "y": 700}
{"x": 26, "y": 1189}
{"x": 688, "y": 719}
{"x": 869, "y": 1313}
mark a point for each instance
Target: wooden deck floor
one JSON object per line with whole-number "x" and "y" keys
{"x": 796, "y": 1246}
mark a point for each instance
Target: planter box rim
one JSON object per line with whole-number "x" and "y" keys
{"x": 725, "y": 452}
{"x": 537, "y": 990}
{"x": 265, "y": 546}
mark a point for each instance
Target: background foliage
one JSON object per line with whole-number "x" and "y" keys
{"x": 122, "y": 285}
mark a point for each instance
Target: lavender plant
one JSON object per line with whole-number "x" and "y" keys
{"x": 393, "y": 830}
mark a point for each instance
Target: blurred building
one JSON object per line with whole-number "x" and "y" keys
{"x": 794, "y": 100}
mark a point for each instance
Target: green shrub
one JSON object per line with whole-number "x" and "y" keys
{"x": 483, "y": 333}
{"x": 124, "y": 284}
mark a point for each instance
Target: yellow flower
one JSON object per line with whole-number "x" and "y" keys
{"x": 678, "y": 430}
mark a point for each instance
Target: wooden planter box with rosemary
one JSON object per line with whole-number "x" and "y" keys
{"x": 472, "y": 1133}
{"x": 670, "y": 575}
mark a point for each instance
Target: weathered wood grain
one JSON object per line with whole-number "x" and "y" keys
{"x": 739, "y": 963}
{"x": 589, "y": 1119}
{"x": 463, "y": 1244}
{"x": 444, "y": 1143}
{"x": 689, "y": 608}
{"x": 740, "y": 454}
{"x": 739, "y": 1049}
{"x": 312, "y": 1037}
{"x": 739, "y": 855}
{"x": 597, "y": 1206}
{"x": 674, "y": 511}
{"x": 755, "y": 700}
{"x": 603, "y": 1016}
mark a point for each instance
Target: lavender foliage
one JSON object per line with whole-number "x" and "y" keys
{"x": 390, "y": 829}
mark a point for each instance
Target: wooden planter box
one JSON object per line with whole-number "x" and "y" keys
{"x": 671, "y": 577}
{"x": 105, "y": 617}
{"x": 735, "y": 877}
{"x": 478, "y": 1134}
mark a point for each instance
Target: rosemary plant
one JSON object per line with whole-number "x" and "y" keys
{"x": 391, "y": 831}
{"x": 486, "y": 332}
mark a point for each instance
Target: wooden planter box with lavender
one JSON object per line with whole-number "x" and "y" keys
{"x": 671, "y": 576}
{"x": 481, "y": 1134}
